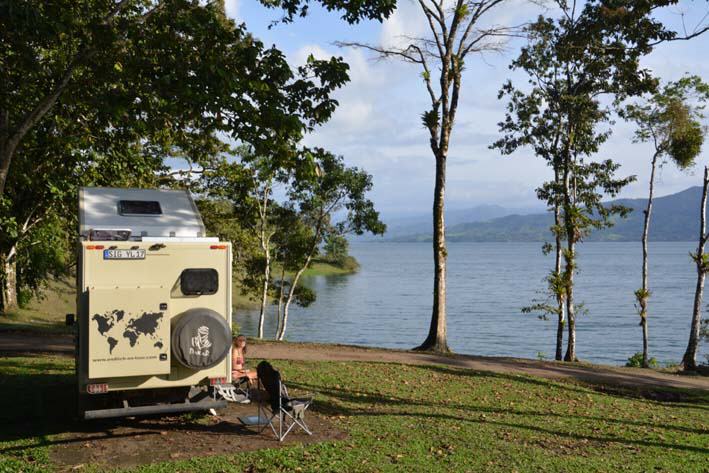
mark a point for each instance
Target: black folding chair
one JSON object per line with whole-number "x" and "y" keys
{"x": 290, "y": 411}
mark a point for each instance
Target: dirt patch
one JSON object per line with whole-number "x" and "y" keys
{"x": 139, "y": 441}
{"x": 635, "y": 378}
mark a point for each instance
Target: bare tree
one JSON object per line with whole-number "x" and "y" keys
{"x": 454, "y": 34}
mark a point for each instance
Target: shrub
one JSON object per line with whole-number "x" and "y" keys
{"x": 636, "y": 361}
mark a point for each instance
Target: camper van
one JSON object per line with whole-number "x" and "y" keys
{"x": 153, "y": 317}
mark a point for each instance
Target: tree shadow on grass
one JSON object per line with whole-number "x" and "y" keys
{"x": 361, "y": 397}
{"x": 427, "y": 416}
{"x": 678, "y": 397}
{"x": 41, "y": 406}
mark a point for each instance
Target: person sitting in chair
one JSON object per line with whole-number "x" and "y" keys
{"x": 238, "y": 362}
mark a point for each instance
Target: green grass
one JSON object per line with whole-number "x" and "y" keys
{"x": 46, "y": 313}
{"x": 406, "y": 418}
{"x": 326, "y": 269}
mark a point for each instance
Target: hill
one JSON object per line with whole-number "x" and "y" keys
{"x": 400, "y": 226}
{"x": 675, "y": 218}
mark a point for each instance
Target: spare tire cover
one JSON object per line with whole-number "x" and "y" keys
{"x": 201, "y": 339}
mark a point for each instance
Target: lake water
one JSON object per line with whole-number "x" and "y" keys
{"x": 388, "y": 302}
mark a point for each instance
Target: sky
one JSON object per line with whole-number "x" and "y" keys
{"x": 377, "y": 125}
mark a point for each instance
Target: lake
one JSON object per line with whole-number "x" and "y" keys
{"x": 388, "y": 302}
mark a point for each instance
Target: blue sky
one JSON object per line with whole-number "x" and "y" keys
{"x": 377, "y": 125}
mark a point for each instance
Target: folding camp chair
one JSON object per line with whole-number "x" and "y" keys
{"x": 237, "y": 391}
{"x": 290, "y": 411}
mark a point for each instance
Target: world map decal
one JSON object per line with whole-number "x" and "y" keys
{"x": 115, "y": 327}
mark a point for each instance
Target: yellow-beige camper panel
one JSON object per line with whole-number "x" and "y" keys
{"x": 129, "y": 332}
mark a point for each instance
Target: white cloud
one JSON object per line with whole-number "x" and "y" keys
{"x": 232, "y": 9}
{"x": 378, "y": 127}
{"x": 407, "y": 20}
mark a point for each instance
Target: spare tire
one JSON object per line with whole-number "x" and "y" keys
{"x": 201, "y": 339}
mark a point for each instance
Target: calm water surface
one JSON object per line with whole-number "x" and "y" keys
{"x": 388, "y": 302}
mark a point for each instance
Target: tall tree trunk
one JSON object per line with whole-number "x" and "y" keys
{"x": 9, "y": 283}
{"x": 690, "y": 356}
{"x": 570, "y": 309}
{"x": 644, "y": 293}
{"x": 279, "y": 318}
{"x": 437, "y": 339}
{"x": 289, "y": 299}
{"x": 6, "y": 152}
{"x": 559, "y": 295}
{"x": 570, "y": 259}
{"x": 265, "y": 245}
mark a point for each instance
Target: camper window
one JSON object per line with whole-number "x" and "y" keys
{"x": 196, "y": 282}
{"x": 139, "y": 207}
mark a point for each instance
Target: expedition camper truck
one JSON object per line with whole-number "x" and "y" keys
{"x": 153, "y": 328}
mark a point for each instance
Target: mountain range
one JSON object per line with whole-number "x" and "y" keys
{"x": 675, "y": 217}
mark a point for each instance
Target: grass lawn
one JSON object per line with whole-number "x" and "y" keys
{"x": 325, "y": 269}
{"x": 47, "y": 313}
{"x": 406, "y": 418}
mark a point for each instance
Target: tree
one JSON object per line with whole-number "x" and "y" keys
{"x": 336, "y": 248}
{"x": 247, "y": 185}
{"x": 672, "y": 124}
{"x": 701, "y": 260}
{"x": 334, "y": 188}
{"x": 109, "y": 81}
{"x": 456, "y": 33}
{"x": 574, "y": 61}
{"x": 37, "y": 213}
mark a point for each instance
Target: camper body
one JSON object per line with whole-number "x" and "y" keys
{"x": 153, "y": 328}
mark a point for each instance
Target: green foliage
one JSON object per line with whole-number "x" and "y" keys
{"x": 672, "y": 120}
{"x": 642, "y": 296}
{"x": 240, "y": 202}
{"x": 636, "y": 361}
{"x": 549, "y": 304}
{"x": 336, "y": 249}
{"x": 352, "y": 12}
{"x": 571, "y": 62}
{"x": 129, "y": 85}
{"x": 430, "y": 118}
{"x": 702, "y": 263}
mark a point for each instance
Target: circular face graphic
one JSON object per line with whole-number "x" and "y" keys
{"x": 201, "y": 339}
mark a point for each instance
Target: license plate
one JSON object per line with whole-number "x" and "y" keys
{"x": 123, "y": 254}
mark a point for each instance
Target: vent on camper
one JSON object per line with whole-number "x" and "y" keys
{"x": 139, "y": 207}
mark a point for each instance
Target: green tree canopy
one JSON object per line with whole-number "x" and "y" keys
{"x": 103, "y": 93}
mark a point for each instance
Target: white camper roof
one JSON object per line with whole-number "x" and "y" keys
{"x": 145, "y": 212}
